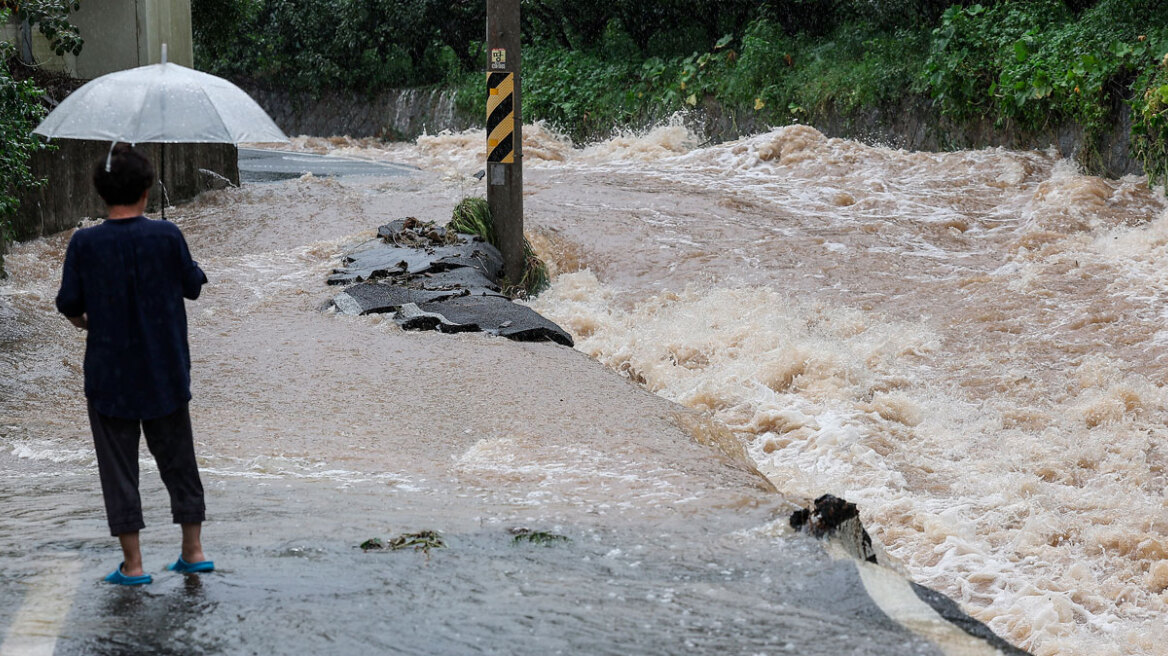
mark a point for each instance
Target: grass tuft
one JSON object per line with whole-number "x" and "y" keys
{"x": 473, "y": 216}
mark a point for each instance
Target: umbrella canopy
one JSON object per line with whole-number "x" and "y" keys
{"x": 160, "y": 103}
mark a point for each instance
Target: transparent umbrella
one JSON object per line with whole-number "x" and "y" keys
{"x": 161, "y": 103}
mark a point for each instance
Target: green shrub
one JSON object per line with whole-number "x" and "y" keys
{"x": 1150, "y": 123}
{"x": 20, "y": 111}
{"x": 577, "y": 92}
{"x": 1037, "y": 63}
{"x": 857, "y": 65}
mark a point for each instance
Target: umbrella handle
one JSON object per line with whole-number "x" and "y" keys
{"x": 109, "y": 156}
{"x": 162, "y": 197}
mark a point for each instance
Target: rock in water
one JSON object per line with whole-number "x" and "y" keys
{"x": 839, "y": 519}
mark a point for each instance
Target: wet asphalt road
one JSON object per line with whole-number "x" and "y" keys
{"x": 291, "y": 580}
{"x": 257, "y": 165}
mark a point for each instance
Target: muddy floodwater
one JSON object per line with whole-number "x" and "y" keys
{"x": 971, "y": 346}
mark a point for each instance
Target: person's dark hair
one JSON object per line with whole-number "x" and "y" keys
{"x": 129, "y": 174}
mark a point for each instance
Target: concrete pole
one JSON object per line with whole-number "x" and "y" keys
{"x": 505, "y": 134}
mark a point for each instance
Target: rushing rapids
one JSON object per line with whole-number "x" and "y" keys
{"x": 968, "y": 345}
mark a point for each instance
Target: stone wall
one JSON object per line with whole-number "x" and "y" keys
{"x": 68, "y": 196}
{"x": 397, "y": 114}
{"x": 914, "y": 124}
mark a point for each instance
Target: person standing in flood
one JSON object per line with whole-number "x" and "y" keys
{"x": 124, "y": 282}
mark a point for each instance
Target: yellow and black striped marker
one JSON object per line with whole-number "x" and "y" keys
{"x": 501, "y": 118}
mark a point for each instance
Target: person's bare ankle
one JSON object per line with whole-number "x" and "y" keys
{"x": 192, "y": 543}
{"x": 193, "y": 555}
{"x": 133, "y": 569}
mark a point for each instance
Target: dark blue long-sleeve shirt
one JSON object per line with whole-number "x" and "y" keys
{"x": 130, "y": 277}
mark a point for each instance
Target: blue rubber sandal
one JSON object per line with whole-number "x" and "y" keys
{"x": 118, "y": 578}
{"x": 183, "y": 567}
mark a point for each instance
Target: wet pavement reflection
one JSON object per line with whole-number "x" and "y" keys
{"x": 291, "y": 579}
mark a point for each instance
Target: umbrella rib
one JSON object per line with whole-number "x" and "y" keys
{"x": 141, "y": 109}
{"x": 231, "y": 137}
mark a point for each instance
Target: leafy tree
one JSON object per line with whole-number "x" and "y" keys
{"x": 51, "y": 18}
{"x": 460, "y": 27}
{"x": 20, "y": 108}
{"x": 568, "y": 23}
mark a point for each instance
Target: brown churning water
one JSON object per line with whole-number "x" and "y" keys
{"x": 970, "y": 345}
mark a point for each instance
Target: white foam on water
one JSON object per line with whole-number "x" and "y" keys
{"x": 835, "y": 401}
{"x": 997, "y": 408}
{"x": 1025, "y": 478}
{"x": 284, "y": 467}
{"x": 48, "y": 451}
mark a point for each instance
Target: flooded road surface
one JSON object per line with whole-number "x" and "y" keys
{"x": 291, "y": 580}
{"x": 317, "y": 432}
{"x": 965, "y": 344}
{"x": 970, "y": 345}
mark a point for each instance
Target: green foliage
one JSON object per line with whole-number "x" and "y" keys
{"x": 579, "y": 92}
{"x": 1036, "y": 62}
{"x": 857, "y": 65}
{"x": 664, "y": 28}
{"x": 51, "y": 18}
{"x": 20, "y": 111}
{"x": 472, "y": 216}
{"x": 364, "y": 45}
{"x": 1150, "y": 122}
{"x": 20, "y": 106}
{"x": 784, "y": 77}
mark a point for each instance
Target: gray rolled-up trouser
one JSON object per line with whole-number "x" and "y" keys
{"x": 171, "y": 442}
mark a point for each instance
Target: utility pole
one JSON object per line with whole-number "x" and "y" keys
{"x": 505, "y": 134}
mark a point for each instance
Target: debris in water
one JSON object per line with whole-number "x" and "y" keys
{"x": 414, "y": 232}
{"x": 543, "y": 538}
{"x": 420, "y": 541}
{"x": 839, "y": 519}
{"x": 372, "y": 544}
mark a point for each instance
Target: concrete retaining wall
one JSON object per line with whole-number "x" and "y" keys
{"x": 69, "y": 196}
{"x": 914, "y": 124}
{"x": 397, "y": 114}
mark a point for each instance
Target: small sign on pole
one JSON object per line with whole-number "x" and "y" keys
{"x": 498, "y": 59}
